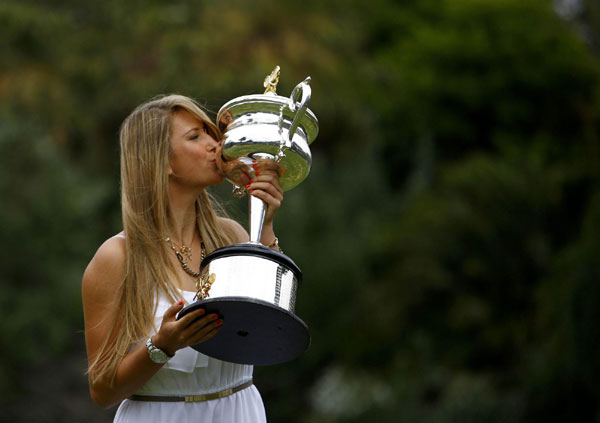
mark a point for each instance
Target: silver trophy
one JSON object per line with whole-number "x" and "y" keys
{"x": 251, "y": 286}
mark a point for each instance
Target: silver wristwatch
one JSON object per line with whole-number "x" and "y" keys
{"x": 156, "y": 354}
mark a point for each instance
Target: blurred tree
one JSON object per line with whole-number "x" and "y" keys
{"x": 52, "y": 217}
{"x": 586, "y": 13}
{"x": 563, "y": 377}
{"x": 446, "y": 231}
{"x": 494, "y": 131}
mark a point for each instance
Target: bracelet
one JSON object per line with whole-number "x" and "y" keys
{"x": 274, "y": 244}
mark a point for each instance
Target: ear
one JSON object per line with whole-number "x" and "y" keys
{"x": 170, "y": 170}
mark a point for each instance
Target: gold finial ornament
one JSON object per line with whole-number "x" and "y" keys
{"x": 271, "y": 81}
{"x": 203, "y": 284}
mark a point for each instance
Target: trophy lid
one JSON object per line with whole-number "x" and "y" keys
{"x": 272, "y": 103}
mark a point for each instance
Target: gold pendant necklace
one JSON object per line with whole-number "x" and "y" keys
{"x": 183, "y": 251}
{"x": 203, "y": 284}
{"x": 188, "y": 253}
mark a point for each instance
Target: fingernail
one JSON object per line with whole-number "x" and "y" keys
{"x": 250, "y": 191}
{"x": 219, "y": 322}
{"x": 247, "y": 186}
{"x": 180, "y": 302}
{"x": 201, "y": 311}
{"x": 213, "y": 316}
{"x": 257, "y": 173}
{"x": 255, "y": 166}
{"x": 251, "y": 180}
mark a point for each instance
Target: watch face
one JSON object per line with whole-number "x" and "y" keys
{"x": 158, "y": 356}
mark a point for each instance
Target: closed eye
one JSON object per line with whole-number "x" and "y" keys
{"x": 193, "y": 133}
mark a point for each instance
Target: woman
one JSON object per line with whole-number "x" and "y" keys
{"x": 138, "y": 280}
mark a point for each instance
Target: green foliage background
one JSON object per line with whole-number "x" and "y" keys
{"x": 448, "y": 233}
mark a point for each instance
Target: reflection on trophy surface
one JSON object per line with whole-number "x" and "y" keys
{"x": 252, "y": 286}
{"x": 271, "y": 126}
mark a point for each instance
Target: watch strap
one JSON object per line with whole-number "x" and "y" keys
{"x": 156, "y": 354}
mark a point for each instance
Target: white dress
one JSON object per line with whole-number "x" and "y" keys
{"x": 192, "y": 373}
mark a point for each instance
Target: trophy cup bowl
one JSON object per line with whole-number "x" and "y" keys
{"x": 253, "y": 287}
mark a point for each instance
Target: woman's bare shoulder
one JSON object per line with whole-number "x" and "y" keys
{"x": 237, "y": 232}
{"x": 106, "y": 270}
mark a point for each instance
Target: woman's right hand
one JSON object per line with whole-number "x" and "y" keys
{"x": 191, "y": 329}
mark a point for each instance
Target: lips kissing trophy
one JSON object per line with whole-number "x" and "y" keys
{"x": 251, "y": 286}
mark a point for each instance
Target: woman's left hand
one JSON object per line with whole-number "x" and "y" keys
{"x": 266, "y": 186}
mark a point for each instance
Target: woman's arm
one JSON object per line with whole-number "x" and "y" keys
{"x": 101, "y": 282}
{"x": 100, "y": 285}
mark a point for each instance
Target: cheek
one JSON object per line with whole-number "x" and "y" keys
{"x": 196, "y": 152}
{"x": 182, "y": 163}
{"x": 190, "y": 156}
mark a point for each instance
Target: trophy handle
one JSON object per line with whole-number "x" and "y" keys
{"x": 303, "y": 90}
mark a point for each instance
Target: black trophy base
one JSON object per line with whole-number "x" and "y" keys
{"x": 254, "y": 331}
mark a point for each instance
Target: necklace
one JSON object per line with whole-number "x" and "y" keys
{"x": 187, "y": 251}
{"x": 184, "y": 250}
{"x": 203, "y": 283}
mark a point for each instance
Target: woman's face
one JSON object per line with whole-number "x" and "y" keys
{"x": 193, "y": 152}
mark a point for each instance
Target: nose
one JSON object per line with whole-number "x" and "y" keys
{"x": 212, "y": 146}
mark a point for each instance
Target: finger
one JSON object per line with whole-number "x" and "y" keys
{"x": 205, "y": 337}
{"x": 268, "y": 166}
{"x": 192, "y": 317}
{"x": 271, "y": 201}
{"x": 267, "y": 183}
{"x": 203, "y": 334}
{"x": 268, "y": 178}
{"x": 173, "y": 310}
{"x": 206, "y": 332}
{"x": 200, "y": 323}
{"x": 267, "y": 188}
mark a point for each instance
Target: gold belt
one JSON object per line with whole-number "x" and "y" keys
{"x": 193, "y": 398}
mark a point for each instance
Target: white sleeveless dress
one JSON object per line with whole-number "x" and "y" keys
{"x": 192, "y": 373}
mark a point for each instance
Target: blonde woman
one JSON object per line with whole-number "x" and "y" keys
{"x": 133, "y": 288}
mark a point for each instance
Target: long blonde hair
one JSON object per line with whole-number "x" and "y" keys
{"x": 145, "y": 151}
